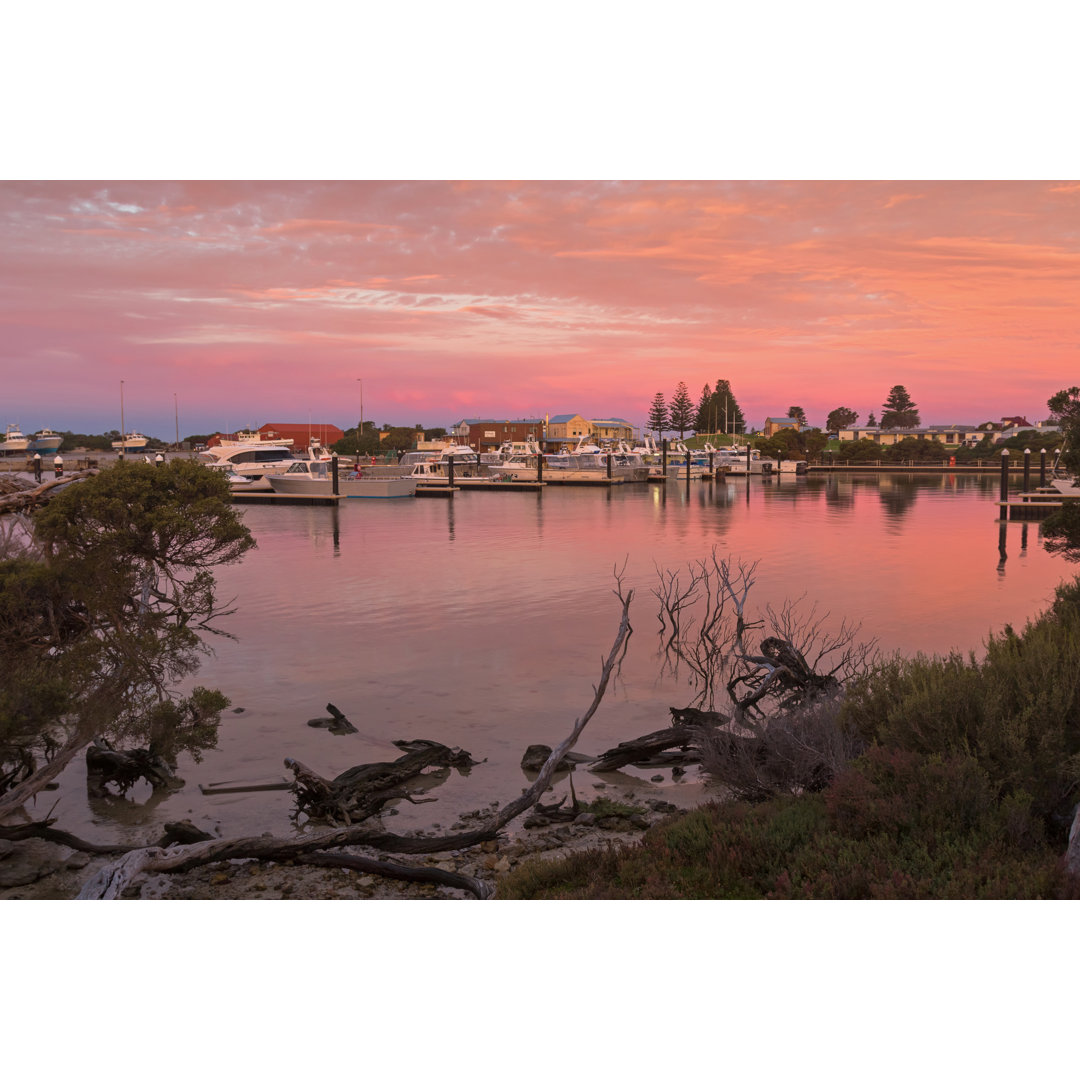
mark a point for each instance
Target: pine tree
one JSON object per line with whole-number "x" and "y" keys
{"x": 681, "y": 413}
{"x": 658, "y": 415}
{"x": 795, "y": 412}
{"x": 899, "y": 411}
{"x": 703, "y": 417}
{"x": 727, "y": 415}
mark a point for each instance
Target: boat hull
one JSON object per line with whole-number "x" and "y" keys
{"x": 400, "y": 487}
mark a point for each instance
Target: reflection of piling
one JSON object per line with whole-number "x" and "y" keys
{"x": 1027, "y": 469}
{"x": 1004, "y": 484}
{"x": 1003, "y": 529}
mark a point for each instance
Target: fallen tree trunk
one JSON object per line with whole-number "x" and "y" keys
{"x": 15, "y": 501}
{"x": 111, "y": 881}
{"x": 363, "y": 790}
{"x": 651, "y": 751}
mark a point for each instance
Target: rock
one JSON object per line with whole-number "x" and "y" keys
{"x": 28, "y": 861}
{"x": 502, "y": 865}
{"x": 585, "y": 819}
{"x": 534, "y": 757}
{"x": 78, "y": 861}
{"x": 657, "y": 779}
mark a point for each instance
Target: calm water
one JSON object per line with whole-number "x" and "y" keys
{"x": 482, "y": 622}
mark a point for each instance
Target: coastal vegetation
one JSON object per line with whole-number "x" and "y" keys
{"x": 964, "y": 789}
{"x": 107, "y": 594}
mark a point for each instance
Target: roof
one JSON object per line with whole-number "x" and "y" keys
{"x": 613, "y": 420}
{"x": 562, "y": 418}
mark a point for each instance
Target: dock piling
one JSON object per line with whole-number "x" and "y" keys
{"x": 1004, "y": 483}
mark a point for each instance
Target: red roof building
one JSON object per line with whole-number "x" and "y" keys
{"x": 302, "y": 434}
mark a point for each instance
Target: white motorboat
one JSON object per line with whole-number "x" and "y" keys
{"x": 255, "y": 457}
{"x": 45, "y": 441}
{"x": 735, "y": 460}
{"x": 315, "y": 478}
{"x": 15, "y": 442}
{"x": 130, "y": 442}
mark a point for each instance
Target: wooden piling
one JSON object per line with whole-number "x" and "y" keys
{"x": 1004, "y": 483}
{"x": 1027, "y": 469}
{"x": 334, "y": 474}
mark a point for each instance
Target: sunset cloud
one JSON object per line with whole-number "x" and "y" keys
{"x": 517, "y": 297}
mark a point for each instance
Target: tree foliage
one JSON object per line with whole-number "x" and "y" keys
{"x": 841, "y": 418}
{"x": 681, "y": 411}
{"x": 899, "y": 411}
{"x": 658, "y": 415}
{"x": 796, "y": 412}
{"x": 719, "y": 411}
{"x": 103, "y": 609}
{"x": 1065, "y": 411}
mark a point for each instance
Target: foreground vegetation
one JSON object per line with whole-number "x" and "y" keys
{"x": 965, "y": 789}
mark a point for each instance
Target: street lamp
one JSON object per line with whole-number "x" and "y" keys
{"x": 360, "y": 430}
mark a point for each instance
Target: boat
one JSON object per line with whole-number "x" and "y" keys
{"x": 256, "y": 457}
{"x": 15, "y": 442}
{"x": 45, "y": 441}
{"x": 1066, "y": 485}
{"x": 734, "y": 459}
{"x": 315, "y": 478}
{"x": 131, "y": 442}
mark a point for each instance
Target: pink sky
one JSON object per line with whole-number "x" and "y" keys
{"x": 267, "y": 301}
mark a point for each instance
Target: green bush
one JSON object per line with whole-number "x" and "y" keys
{"x": 1017, "y": 712}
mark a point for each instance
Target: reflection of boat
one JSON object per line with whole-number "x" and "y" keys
{"x": 314, "y": 478}
{"x": 15, "y": 442}
{"x": 131, "y": 442}
{"x": 45, "y": 441}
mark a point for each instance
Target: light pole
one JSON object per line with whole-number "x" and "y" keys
{"x": 123, "y": 446}
{"x": 176, "y": 413}
{"x": 360, "y": 432}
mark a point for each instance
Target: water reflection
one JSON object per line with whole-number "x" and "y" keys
{"x": 480, "y": 621}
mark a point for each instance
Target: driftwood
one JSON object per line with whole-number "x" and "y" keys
{"x": 112, "y": 880}
{"x": 653, "y": 750}
{"x": 338, "y": 724}
{"x": 27, "y": 499}
{"x": 363, "y": 790}
{"x": 107, "y": 765}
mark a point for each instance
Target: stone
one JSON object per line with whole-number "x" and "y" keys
{"x": 657, "y": 779}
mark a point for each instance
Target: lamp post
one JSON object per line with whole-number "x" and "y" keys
{"x": 122, "y": 442}
{"x": 176, "y": 413}
{"x": 360, "y": 430}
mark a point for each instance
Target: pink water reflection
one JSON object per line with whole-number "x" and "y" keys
{"x": 482, "y": 621}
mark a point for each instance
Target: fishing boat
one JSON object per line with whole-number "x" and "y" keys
{"x": 15, "y": 442}
{"x": 315, "y": 478}
{"x": 45, "y": 441}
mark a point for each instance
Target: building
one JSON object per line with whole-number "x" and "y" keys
{"x": 302, "y": 434}
{"x": 947, "y": 434}
{"x": 488, "y": 435}
{"x": 773, "y": 424}
{"x": 613, "y": 430}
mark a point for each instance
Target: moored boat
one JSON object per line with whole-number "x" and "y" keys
{"x": 15, "y": 442}
{"x": 45, "y": 441}
{"x": 315, "y": 478}
{"x": 131, "y": 442}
